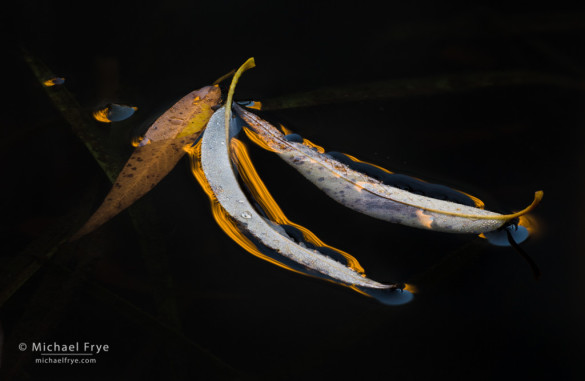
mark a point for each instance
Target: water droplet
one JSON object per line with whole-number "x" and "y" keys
{"x": 176, "y": 121}
{"x": 246, "y": 214}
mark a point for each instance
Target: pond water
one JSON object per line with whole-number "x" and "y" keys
{"x": 478, "y": 312}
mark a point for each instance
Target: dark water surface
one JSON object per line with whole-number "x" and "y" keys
{"x": 176, "y": 299}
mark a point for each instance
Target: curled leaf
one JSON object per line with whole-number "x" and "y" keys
{"x": 368, "y": 195}
{"x": 235, "y": 214}
{"x": 149, "y": 163}
{"x": 218, "y": 172}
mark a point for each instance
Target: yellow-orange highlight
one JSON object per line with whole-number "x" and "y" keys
{"x": 527, "y": 221}
{"x": 530, "y": 223}
{"x": 306, "y": 142}
{"x": 478, "y": 203}
{"x": 102, "y": 115}
{"x": 54, "y": 81}
{"x": 253, "y": 136}
{"x": 271, "y": 208}
{"x": 264, "y": 198}
{"x": 285, "y": 130}
{"x": 136, "y": 141}
{"x": 225, "y": 222}
{"x": 309, "y": 143}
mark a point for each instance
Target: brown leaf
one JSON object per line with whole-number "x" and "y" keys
{"x": 151, "y": 162}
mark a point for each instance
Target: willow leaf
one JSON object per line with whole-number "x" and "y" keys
{"x": 157, "y": 154}
{"x": 370, "y": 196}
{"x": 223, "y": 183}
{"x": 217, "y": 167}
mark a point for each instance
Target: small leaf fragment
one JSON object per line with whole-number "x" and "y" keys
{"x": 55, "y": 81}
{"x": 114, "y": 113}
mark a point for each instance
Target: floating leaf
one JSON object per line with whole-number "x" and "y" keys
{"x": 255, "y": 105}
{"x": 82, "y": 126}
{"x": 55, "y": 81}
{"x": 180, "y": 125}
{"x": 368, "y": 195}
{"x": 187, "y": 116}
{"x": 221, "y": 179}
{"x": 235, "y": 214}
{"x": 114, "y": 113}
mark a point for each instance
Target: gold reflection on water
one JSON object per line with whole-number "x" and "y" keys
{"x": 115, "y": 112}
{"x": 410, "y": 288}
{"x": 256, "y": 105}
{"x": 259, "y": 141}
{"x": 529, "y": 222}
{"x": 262, "y": 142}
{"x": 223, "y": 77}
{"x": 102, "y": 115}
{"x": 285, "y": 130}
{"x": 309, "y": 143}
{"x": 260, "y": 193}
{"x": 137, "y": 140}
{"x": 478, "y": 203}
{"x": 225, "y": 222}
{"x": 306, "y": 142}
{"x": 54, "y": 81}
{"x": 353, "y": 158}
{"x": 264, "y": 198}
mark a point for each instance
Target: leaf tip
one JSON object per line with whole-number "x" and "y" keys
{"x": 538, "y": 195}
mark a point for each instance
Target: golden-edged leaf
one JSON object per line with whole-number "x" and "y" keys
{"x": 367, "y": 195}
{"x": 240, "y": 220}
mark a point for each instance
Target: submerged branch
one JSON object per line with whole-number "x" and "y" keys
{"x": 27, "y": 263}
{"x": 81, "y": 124}
{"x": 160, "y": 327}
{"x": 400, "y": 88}
{"x": 33, "y": 257}
{"x": 485, "y": 23}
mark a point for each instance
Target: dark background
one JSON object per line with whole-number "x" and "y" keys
{"x": 175, "y": 298}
